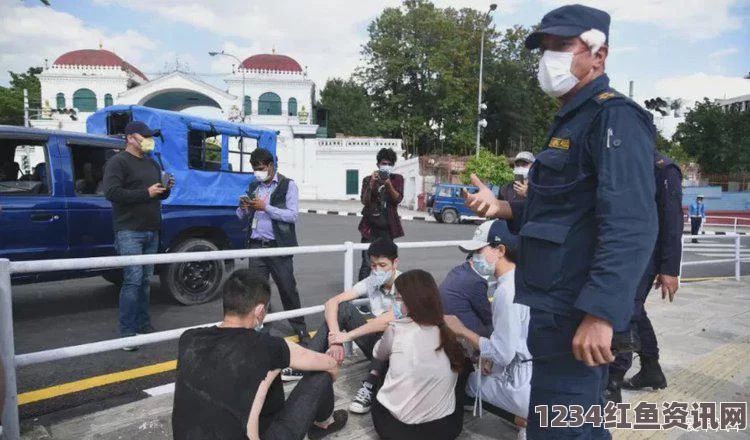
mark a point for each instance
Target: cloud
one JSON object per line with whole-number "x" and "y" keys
{"x": 27, "y": 38}
{"x": 724, "y": 53}
{"x": 326, "y": 36}
{"x": 696, "y": 86}
{"x": 696, "y": 19}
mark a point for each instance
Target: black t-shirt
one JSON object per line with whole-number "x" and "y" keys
{"x": 218, "y": 373}
{"x": 126, "y": 182}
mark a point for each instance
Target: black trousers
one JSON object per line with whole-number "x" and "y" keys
{"x": 364, "y": 269}
{"x": 695, "y": 225}
{"x": 349, "y": 319}
{"x": 641, "y": 323}
{"x": 281, "y": 269}
{"x": 310, "y": 401}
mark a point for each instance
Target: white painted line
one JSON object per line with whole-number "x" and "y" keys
{"x": 715, "y": 249}
{"x": 160, "y": 390}
{"x": 742, "y": 255}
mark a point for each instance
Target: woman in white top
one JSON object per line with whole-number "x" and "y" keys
{"x": 418, "y": 397}
{"x": 505, "y": 379}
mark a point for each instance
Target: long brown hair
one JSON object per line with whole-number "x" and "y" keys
{"x": 421, "y": 296}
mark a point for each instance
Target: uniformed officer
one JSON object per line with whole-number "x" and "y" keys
{"x": 588, "y": 225}
{"x": 664, "y": 268}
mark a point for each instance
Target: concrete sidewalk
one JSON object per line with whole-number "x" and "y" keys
{"x": 705, "y": 351}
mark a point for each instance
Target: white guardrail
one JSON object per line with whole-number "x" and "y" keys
{"x": 11, "y": 361}
{"x": 732, "y": 223}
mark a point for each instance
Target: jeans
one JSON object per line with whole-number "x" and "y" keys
{"x": 364, "y": 269}
{"x": 136, "y": 283}
{"x": 561, "y": 380}
{"x": 310, "y": 401}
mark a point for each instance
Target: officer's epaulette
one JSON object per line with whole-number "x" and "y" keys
{"x": 608, "y": 95}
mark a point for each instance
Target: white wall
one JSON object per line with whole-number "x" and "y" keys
{"x": 409, "y": 168}
{"x": 100, "y": 80}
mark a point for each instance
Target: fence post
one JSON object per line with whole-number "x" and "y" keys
{"x": 348, "y": 282}
{"x": 735, "y": 225}
{"x": 11, "y": 426}
{"x": 737, "y": 260}
{"x": 348, "y": 265}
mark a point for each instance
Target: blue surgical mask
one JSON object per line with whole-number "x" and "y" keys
{"x": 397, "y": 310}
{"x": 380, "y": 277}
{"x": 386, "y": 168}
{"x": 481, "y": 265}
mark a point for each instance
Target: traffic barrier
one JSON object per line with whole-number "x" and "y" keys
{"x": 11, "y": 361}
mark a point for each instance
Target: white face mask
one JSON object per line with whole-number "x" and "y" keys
{"x": 522, "y": 171}
{"x": 554, "y": 75}
{"x": 261, "y": 175}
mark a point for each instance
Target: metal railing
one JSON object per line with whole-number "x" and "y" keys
{"x": 11, "y": 361}
{"x": 736, "y": 258}
{"x": 721, "y": 221}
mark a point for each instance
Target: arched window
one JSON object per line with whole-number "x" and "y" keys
{"x": 248, "y": 106}
{"x": 107, "y": 100}
{"x": 60, "y": 100}
{"x": 269, "y": 103}
{"x": 292, "y": 107}
{"x": 84, "y": 100}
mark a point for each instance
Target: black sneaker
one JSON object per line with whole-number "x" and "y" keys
{"x": 146, "y": 330}
{"x": 289, "y": 375}
{"x": 340, "y": 417}
{"x": 362, "y": 402}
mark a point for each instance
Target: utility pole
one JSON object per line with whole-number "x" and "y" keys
{"x": 25, "y": 108}
{"x": 480, "y": 121}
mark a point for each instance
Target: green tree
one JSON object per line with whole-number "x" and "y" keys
{"x": 11, "y": 98}
{"x": 421, "y": 65}
{"x": 518, "y": 111}
{"x": 718, "y": 139}
{"x": 673, "y": 150}
{"x": 349, "y": 108}
{"x": 489, "y": 167}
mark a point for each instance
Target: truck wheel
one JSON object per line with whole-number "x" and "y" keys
{"x": 195, "y": 282}
{"x": 450, "y": 216}
{"x": 114, "y": 276}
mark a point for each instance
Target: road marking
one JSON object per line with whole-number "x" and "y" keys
{"x": 696, "y": 279}
{"x": 105, "y": 379}
{"x": 94, "y": 382}
{"x": 160, "y": 390}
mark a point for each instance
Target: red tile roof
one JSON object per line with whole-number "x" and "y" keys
{"x": 272, "y": 62}
{"x": 96, "y": 57}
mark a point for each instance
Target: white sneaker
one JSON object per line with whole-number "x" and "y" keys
{"x": 289, "y": 375}
{"x": 521, "y": 434}
{"x": 363, "y": 400}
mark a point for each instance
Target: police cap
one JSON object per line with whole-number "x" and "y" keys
{"x": 569, "y": 21}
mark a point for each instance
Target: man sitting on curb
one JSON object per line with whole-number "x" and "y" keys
{"x": 341, "y": 315}
{"x": 227, "y": 376}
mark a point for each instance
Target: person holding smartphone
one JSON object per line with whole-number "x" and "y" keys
{"x": 516, "y": 190}
{"x": 381, "y": 193}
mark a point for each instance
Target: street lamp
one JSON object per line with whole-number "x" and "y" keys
{"x": 239, "y": 63}
{"x": 480, "y": 121}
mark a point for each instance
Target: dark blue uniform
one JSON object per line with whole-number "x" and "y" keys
{"x": 666, "y": 257}
{"x": 588, "y": 232}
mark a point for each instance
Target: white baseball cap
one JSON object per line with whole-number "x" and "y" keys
{"x": 525, "y": 156}
{"x": 489, "y": 233}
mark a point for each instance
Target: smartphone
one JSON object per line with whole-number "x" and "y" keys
{"x": 165, "y": 178}
{"x": 519, "y": 178}
{"x": 245, "y": 198}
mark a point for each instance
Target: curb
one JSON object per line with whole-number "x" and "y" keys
{"x": 359, "y": 214}
{"x": 716, "y": 233}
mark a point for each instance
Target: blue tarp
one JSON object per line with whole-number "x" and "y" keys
{"x": 192, "y": 187}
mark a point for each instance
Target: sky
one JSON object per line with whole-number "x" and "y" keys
{"x": 670, "y": 48}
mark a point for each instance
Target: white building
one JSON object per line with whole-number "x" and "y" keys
{"x": 737, "y": 103}
{"x": 274, "y": 89}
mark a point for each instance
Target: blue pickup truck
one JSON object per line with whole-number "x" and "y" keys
{"x": 52, "y": 202}
{"x": 447, "y": 204}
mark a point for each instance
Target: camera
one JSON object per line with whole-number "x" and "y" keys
{"x": 383, "y": 175}
{"x": 519, "y": 178}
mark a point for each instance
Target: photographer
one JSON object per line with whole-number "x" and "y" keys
{"x": 517, "y": 189}
{"x": 381, "y": 193}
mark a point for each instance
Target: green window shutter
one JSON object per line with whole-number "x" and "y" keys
{"x": 84, "y": 100}
{"x": 352, "y": 182}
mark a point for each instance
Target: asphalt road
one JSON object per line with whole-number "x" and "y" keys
{"x": 51, "y": 315}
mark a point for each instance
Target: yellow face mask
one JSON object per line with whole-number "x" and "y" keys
{"x": 147, "y": 145}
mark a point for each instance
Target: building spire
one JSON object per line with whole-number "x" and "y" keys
{"x": 101, "y": 45}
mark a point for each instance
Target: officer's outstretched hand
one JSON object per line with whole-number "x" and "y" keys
{"x": 483, "y": 202}
{"x": 592, "y": 343}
